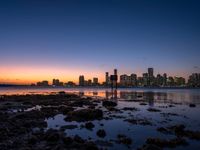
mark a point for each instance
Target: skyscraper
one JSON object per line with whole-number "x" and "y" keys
{"x": 150, "y": 77}
{"x": 107, "y": 79}
{"x": 115, "y": 71}
{"x": 95, "y": 81}
{"x": 81, "y": 80}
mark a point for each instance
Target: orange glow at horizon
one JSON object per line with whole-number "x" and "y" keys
{"x": 28, "y": 75}
{"x": 33, "y": 74}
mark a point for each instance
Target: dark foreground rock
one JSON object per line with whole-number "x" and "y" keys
{"x": 163, "y": 143}
{"x": 138, "y": 121}
{"x": 101, "y": 133}
{"x": 89, "y": 125}
{"x": 150, "y": 147}
{"x": 84, "y": 115}
{"x": 122, "y": 139}
{"x": 109, "y": 104}
{"x": 153, "y": 110}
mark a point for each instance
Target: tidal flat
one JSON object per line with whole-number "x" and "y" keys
{"x": 69, "y": 121}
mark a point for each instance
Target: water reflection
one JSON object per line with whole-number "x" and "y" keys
{"x": 149, "y": 95}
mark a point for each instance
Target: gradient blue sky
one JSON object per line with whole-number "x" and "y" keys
{"x": 93, "y": 36}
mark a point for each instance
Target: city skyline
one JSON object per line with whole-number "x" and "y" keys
{"x": 100, "y": 76}
{"x": 47, "y": 39}
{"x": 147, "y": 79}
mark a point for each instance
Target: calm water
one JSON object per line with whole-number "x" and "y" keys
{"x": 154, "y": 98}
{"x": 151, "y": 95}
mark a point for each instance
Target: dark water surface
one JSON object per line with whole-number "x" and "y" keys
{"x": 174, "y": 106}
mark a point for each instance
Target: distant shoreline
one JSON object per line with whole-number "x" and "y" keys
{"x": 98, "y": 87}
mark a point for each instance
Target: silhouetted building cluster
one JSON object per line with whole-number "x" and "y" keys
{"x": 43, "y": 83}
{"x": 147, "y": 79}
{"x": 83, "y": 82}
{"x": 194, "y": 80}
{"x": 56, "y": 82}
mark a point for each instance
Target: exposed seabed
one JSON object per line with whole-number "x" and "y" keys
{"x": 70, "y": 121}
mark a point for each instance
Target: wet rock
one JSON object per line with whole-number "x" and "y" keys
{"x": 109, "y": 104}
{"x": 177, "y": 129}
{"x": 169, "y": 114}
{"x": 153, "y": 110}
{"x": 62, "y": 93}
{"x": 81, "y": 103}
{"x": 192, "y": 105}
{"x": 166, "y": 143}
{"x": 33, "y": 140}
{"x": 89, "y": 125}
{"x": 150, "y": 147}
{"x": 139, "y": 121}
{"x": 101, "y": 133}
{"x": 103, "y": 143}
{"x": 180, "y": 131}
{"x": 84, "y": 115}
{"x": 64, "y": 110}
{"x": 69, "y": 127}
{"x": 122, "y": 139}
{"x": 78, "y": 139}
{"x": 52, "y": 135}
{"x": 67, "y": 140}
{"x": 143, "y": 104}
{"x": 112, "y": 109}
{"x": 164, "y": 130}
{"x": 130, "y": 109}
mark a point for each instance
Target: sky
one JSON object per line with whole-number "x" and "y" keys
{"x": 46, "y": 39}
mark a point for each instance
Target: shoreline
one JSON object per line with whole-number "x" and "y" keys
{"x": 59, "y": 120}
{"x": 95, "y": 87}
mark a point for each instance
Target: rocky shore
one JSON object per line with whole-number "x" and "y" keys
{"x": 24, "y": 126}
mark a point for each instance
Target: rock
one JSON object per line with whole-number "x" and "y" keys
{"x": 62, "y": 93}
{"x": 180, "y": 131}
{"x": 69, "y": 127}
{"x": 122, "y": 139}
{"x": 78, "y": 139}
{"x": 192, "y": 105}
{"x": 101, "y": 133}
{"x": 138, "y": 121}
{"x": 166, "y": 143}
{"x": 103, "y": 143}
{"x": 33, "y": 140}
{"x": 67, "y": 140}
{"x": 153, "y": 110}
{"x": 163, "y": 130}
{"x": 84, "y": 115}
{"x": 52, "y": 135}
{"x": 89, "y": 125}
{"x": 130, "y": 109}
{"x": 109, "y": 104}
{"x": 143, "y": 104}
{"x": 150, "y": 147}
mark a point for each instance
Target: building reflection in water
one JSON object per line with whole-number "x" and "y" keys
{"x": 149, "y": 96}
{"x": 95, "y": 93}
{"x": 81, "y": 93}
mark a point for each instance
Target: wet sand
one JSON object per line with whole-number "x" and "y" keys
{"x": 68, "y": 121}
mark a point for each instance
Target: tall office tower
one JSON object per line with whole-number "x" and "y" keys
{"x": 107, "y": 79}
{"x": 95, "y": 81}
{"x": 145, "y": 79}
{"x": 55, "y": 82}
{"x": 81, "y": 80}
{"x": 150, "y": 72}
{"x": 150, "y": 77}
{"x": 133, "y": 78}
{"x": 115, "y": 71}
{"x": 164, "y": 79}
